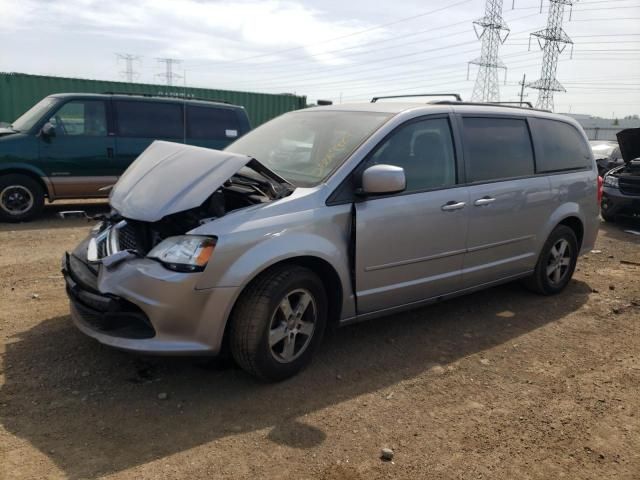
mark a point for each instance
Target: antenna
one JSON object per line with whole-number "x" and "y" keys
{"x": 128, "y": 72}
{"x": 169, "y": 74}
{"x": 552, "y": 40}
{"x": 494, "y": 33}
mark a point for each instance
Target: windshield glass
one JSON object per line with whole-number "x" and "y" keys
{"x": 305, "y": 147}
{"x": 28, "y": 119}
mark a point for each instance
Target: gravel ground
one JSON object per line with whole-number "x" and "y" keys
{"x": 499, "y": 384}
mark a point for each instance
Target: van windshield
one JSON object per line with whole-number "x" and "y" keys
{"x": 305, "y": 147}
{"x": 27, "y": 120}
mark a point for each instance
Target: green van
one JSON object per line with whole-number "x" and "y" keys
{"x": 76, "y": 145}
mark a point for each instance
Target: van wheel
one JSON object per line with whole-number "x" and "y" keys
{"x": 556, "y": 263}
{"x": 278, "y": 322}
{"x": 21, "y": 198}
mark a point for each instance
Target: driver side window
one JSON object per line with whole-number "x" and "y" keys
{"x": 424, "y": 149}
{"x": 81, "y": 118}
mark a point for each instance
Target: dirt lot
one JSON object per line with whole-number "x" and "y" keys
{"x": 500, "y": 384}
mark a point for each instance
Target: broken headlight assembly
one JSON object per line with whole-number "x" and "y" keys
{"x": 184, "y": 253}
{"x": 611, "y": 181}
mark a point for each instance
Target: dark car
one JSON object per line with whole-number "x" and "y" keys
{"x": 621, "y": 191}
{"x": 77, "y": 145}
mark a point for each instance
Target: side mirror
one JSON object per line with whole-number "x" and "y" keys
{"x": 48, "y": 130}
{"x": 380, "y": 179}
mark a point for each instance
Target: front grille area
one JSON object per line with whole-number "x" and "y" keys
{"x": 128, "y": 238}
{"x": 629, "y": 186}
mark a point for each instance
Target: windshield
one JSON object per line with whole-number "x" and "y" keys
{"x": 28, "y": 119}
{"x": 305, "y": 147}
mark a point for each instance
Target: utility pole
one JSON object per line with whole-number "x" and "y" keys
{"x": 552, "y": 40}
{"x": 522, "y": 84}
{"x": 169, "y": 74}
{"x": 494, "y": 33}
{"x": 128, "y": 73}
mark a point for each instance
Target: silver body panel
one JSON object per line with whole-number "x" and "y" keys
{"x": 408, "y": 250}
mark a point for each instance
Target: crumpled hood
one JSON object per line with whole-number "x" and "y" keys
{"x": 170, "y": 178}
{"x": 6, "y": 131}
{"x": 629, "y": 141}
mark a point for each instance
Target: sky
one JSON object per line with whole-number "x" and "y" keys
{"x": 344, "y": 51}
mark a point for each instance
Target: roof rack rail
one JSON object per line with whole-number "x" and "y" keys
{"x": 495, "y": 104}
{"x": 177, "y": 96}
{"x": 454, "y": 95}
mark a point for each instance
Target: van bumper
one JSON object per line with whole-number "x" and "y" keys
{"x": 142, "y": 307}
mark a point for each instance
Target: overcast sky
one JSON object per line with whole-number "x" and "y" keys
{"x": 331, "y": 49}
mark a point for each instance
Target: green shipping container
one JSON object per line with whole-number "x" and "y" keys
{"x": 20, "y": 91}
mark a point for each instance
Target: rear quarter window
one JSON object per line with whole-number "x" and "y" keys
{"x": 561, "y": 147}
{"x": 149, "y": 119}
{"x": 207, "y": 123}
{"x": 497, "y": 148}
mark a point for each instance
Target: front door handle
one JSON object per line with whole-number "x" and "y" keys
{"x": 109, "y": 152}
{"x": 453, "y": 205}
{"x": 484, "y": 201}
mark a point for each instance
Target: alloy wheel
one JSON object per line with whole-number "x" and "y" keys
{"x": 16, "y": 199}
{"x": 292, "y": 325}
{"x": 559, "y": 261}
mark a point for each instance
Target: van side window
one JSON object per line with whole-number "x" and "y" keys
{"x": 563, "y": 148}
{"x": 212, "y": 123}
{"x": 149, "y": 119}
{"x": 81, "y": 118}
{"x": 497, "y": 148}
{"x": 424, "y": 149}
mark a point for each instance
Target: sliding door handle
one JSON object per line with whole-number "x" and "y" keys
{"x": 484, "y": 201}
{"x": 452, "y": 205}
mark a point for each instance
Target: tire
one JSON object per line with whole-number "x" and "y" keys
{"x": 546, "y": 280}
{"x": 266, "y": 341}
{"x": 21, "y": 198}
{"x": 606, "y": 217}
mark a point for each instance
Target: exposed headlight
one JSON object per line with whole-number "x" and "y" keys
{"x": 611, "y": 181}
{"x": 186, "y": 253}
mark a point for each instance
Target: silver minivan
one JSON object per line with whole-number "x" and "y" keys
{"x": 327, "y": 216}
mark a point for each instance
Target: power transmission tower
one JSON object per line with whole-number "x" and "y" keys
{"x": 169, "y": 74}
{"x": 552, "y": 40}
{"x": 494, "y": 33}
{"x": 128, "y": 73}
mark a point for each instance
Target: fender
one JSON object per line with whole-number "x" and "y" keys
{"x": 564, "y": 211}
{"x": 31, "y": 170}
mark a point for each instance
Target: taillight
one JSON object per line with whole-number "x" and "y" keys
{"x": 600, "y": 182}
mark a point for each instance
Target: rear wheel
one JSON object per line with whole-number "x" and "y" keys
{"x": 556, "y": 263}
{"x": 21, "y": 198}
{"x": 278, "y": 322}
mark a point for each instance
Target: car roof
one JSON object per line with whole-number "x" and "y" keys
{"x": 441, "y": 107}
{"x": 147, "y": 97}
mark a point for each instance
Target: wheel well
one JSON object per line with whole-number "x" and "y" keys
{"x": 30, "y": 174}
{"x": 329, "y": 278}
{"x": 575, "y": 224}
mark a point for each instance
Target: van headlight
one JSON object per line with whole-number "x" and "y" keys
{"x": 186, "y": 253}
{"x": 611, "y": 181}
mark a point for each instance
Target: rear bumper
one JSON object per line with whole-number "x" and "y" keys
{"x": 614, "y": 202}
{"x": 140, "y": 306}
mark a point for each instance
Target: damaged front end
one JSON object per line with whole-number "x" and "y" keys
{"x": 621, "y": 189}
{"x": 142, "y": 251}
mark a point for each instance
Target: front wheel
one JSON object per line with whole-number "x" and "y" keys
{"x": 278, "y": 322}
{"x": 21, "y": 198}
{"x": 556, "y": 263}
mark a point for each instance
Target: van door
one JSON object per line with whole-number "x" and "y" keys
{"x": 410, "y": 246}
{"x": 79, "y": 157}
{"x": 212, "y": 126}
{"x": 139, "y": 122}
{"x": 509, "y": 205}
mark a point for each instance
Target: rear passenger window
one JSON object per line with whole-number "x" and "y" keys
{"x": 212, "y": 123}
{"x": 562, "y": 147}
{"x": 149, "y": 119}
{"x": 497, "y": 148}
